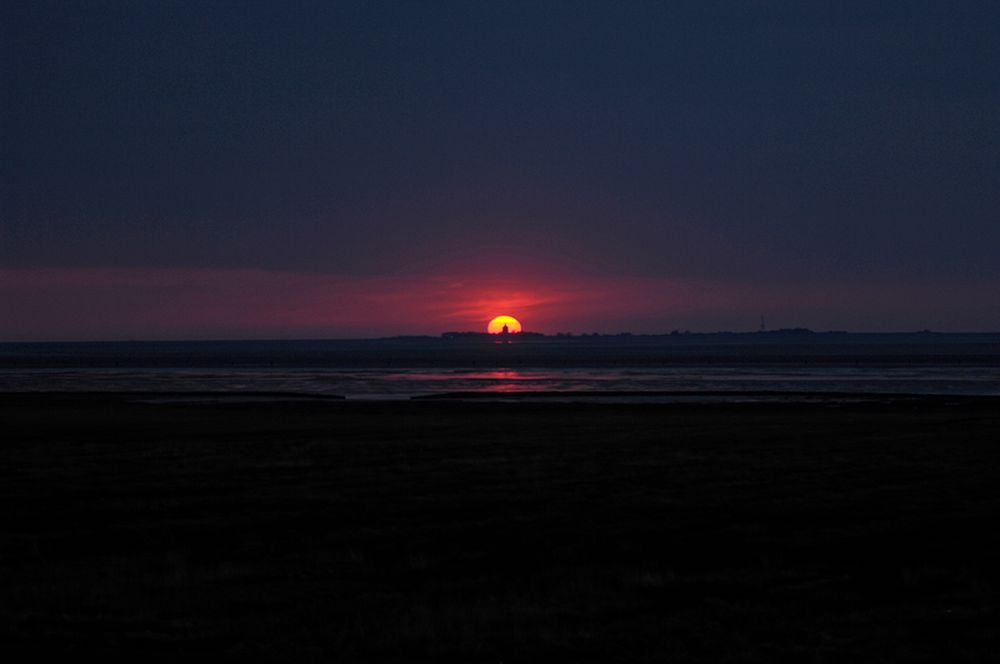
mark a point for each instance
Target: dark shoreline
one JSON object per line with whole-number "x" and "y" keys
{"x": 519, "y": 531}
{"x": 789, "y": 397}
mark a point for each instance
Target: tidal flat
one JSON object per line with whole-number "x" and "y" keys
{"x": 488, "y": 532}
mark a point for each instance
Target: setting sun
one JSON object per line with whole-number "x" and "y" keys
{"x": 497, "y": 324}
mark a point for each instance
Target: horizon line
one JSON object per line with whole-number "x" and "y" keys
{"x": 472, "y": 333}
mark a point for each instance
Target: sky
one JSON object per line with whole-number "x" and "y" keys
{"x": 343, "y": 169}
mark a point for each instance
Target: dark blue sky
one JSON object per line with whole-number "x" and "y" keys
{"x": 742, "y": 142}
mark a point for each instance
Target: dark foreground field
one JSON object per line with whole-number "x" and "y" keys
{"x": 501, "y": 532}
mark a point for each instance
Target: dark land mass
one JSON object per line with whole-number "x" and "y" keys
{"x": 794, "y": 347}
{"x": 447, "y": 531}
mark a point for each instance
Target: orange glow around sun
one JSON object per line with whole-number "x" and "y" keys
{"x": 496, "y": 325}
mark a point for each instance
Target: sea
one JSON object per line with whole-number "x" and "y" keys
{"x": 622, "y": 367}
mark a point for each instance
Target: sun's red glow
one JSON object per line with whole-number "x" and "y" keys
{"x": 497, "y": 324}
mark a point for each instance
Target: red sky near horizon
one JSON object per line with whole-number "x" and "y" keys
{"x": 174, "y": 303}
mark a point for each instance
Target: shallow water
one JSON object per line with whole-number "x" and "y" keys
{"x": 403, "y": 368}
{"x": 407, "y": 382}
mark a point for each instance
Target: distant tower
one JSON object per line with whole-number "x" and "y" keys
{"x": 505, "y": 331}
{"x": 762, "y": 326}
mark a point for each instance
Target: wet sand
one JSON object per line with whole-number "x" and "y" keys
{"x": 475, "y": 531}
